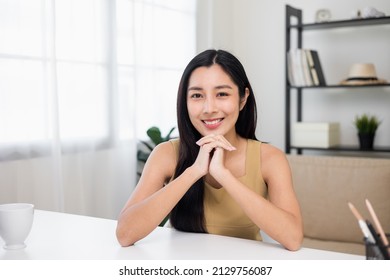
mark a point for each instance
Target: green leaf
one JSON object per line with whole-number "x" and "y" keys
{"x": 164, "y": 221}
{"x": 366, "y": 124}
{"x": 142, "y": 156}
{"x": 154, "y": 134}
{"x": 168, "y": 136}
{"x": 150, "y": 147}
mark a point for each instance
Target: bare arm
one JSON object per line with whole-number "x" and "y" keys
{"x": 151, "y": 202}
{"x": 279, "y": 216}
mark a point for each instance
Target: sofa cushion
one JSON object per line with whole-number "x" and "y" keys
{"x": 335, "y": 246}
{"x": 325, "y": 184}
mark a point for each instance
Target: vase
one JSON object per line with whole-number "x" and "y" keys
{"x": 366, "y": 141}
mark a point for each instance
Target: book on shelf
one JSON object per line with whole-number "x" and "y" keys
{"x": 315, "y": 67}
{"x": 295, "y": 68}
{"x": 304, "y": 68}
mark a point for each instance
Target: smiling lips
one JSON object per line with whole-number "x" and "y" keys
{"x": 212, "y": 124}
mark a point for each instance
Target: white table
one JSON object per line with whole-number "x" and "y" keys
{"x": 60, "y": 236}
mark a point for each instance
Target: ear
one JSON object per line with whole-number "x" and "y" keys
{"x": 244, "y": 99}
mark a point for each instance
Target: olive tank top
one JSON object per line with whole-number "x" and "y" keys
{"x": 223, "y": 216}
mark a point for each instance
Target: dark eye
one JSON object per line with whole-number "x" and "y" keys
{"x": 196, "y": 95}
{"x": 223, "y": 94}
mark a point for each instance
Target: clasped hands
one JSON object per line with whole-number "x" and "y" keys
{"x": 211, "y": 154}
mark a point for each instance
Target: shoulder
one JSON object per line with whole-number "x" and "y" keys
{"x": 272, "y": 159}
{"x": 166, "y": 150}
{"x": 175, "y": 144}
{"x": 163, "y": 158}
{"x": 267, "y": 151}
{"x": 270, "y": 152}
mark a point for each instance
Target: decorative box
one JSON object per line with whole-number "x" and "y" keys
{"x": 315, "y": 135}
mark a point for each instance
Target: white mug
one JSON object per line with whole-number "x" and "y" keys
{"x": 15, "y": 224}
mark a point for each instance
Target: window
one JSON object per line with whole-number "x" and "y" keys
{"x": 90, "y": 70}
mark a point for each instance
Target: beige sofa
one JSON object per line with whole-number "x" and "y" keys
{"x": 324, "y": 186}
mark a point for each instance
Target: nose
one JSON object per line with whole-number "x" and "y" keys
{"x": 210, "y": 105}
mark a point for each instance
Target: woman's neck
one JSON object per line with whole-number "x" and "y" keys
{"x": 234, "y": 139}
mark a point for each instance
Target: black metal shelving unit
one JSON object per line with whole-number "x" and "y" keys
{"x": 292, "y": 13}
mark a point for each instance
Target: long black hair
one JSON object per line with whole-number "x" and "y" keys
{"x": 188, "y": 214}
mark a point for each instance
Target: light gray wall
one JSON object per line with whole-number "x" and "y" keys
{"x": 254, "y": 31}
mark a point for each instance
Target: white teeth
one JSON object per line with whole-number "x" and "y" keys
{"x": 212, "y": 122}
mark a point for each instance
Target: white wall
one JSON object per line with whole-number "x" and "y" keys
{"x": 254, "y": 31}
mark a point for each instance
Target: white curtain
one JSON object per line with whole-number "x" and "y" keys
{"x": 80, "y": 82}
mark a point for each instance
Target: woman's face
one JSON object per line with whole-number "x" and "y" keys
{"x": 213, "y": 101}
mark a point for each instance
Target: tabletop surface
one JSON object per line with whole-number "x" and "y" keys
{"x": 60, "y": 236}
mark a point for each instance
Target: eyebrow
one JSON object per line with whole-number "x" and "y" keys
{"x": 217, "y": 87}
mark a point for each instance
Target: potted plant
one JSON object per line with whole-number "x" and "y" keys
{"x": 366, "y": 126}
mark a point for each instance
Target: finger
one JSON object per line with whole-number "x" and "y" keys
{"x": 222, "y": 142}
{"x": 217, "y": 143}
{"x": 223, "y": 139}
{"x": 205, "y": 139}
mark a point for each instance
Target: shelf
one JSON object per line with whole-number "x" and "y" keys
{"x": 346, "y": 149}
{"x": 341, "y": 86}
{"x": 294, "y": 21}
{"x": 342, "y": 23}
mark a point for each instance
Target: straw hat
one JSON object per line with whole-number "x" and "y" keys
{"x": 362, "y": 74}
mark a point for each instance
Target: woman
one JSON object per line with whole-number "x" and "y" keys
{"x": 216, "y": 178}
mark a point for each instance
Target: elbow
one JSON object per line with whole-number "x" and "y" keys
{"x": 295, "y": 241}
{"x": 123, "y": 242}
{"x": 124, "y": 237}
{"x": 294, "y": 245}
{"x": 295, "y": 237}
